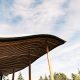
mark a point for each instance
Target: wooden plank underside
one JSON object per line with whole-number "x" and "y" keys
{"x": 16, "y": 52}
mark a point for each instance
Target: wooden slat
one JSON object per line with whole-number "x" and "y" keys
{"x": 15, "y": 52}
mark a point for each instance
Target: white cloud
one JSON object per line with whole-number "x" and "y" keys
{"x": 70, "y": 48}
{"x": 72, "y": 20}
{"x": 4, "y": 27}
{"x": 37, "y": 20}
{"x": 41, "y": 19}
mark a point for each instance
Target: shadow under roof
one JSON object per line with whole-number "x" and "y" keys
{"x": 16, "y": 52}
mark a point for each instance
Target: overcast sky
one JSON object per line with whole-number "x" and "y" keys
{"x": 57, "y": 17}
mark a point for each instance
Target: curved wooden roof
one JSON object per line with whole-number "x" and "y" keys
{"x": 16, "y": 52}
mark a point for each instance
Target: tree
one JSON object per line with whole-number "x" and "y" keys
{"x": 20, "y": 77}
{"x": 79, "y": 72}
{"x": 75, "y": 77}
{"x": 60, "y": 76}
{"x": 41, "y": 78}
{"x": 45, "y": 78}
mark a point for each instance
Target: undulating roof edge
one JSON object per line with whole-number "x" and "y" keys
{"x": 6, "y": 39}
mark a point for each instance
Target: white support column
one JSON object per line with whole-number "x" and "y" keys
{"x": 49, "y": 64}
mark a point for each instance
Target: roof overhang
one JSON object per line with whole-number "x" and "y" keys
{"x": 16, "y": 52}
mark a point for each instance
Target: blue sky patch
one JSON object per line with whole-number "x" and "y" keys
{"x": 65, "y": 5}
{"x": 76, "y": 36}
{"x": 7, "y": 3}
{"x": 1, "y": 17}
{"x": 5, "y": 10}
{"x": 16, "y": 20}
{"x": 60, "y": 22}
{"x": 36, "y": 3}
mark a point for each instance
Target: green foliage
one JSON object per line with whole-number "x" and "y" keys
{"x": 79, "y": 72}
{"x": 45, "y": 78}
{"x": 20, "y": 77}
{"x": 41, "y": 78}
{"x": 60, "y": 76}
{"x": 57, "y": 76}
{"x": 75, "y": 77}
